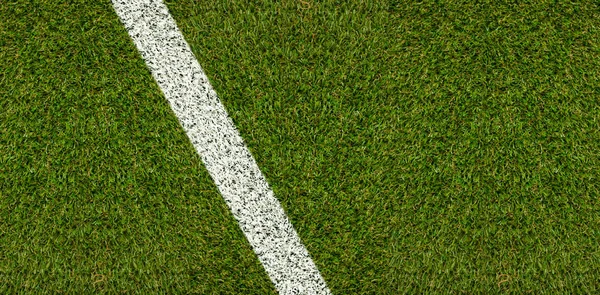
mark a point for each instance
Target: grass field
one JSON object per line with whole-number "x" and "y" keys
{"x": 437, "y": 147}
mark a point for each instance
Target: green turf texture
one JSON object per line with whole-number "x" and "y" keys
{"x": 100, "y": 189}
{"x": 431, "y": 147}
{"x": 422, "y": 148}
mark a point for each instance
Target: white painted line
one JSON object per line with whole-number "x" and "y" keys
{"x": 220, "y": 146}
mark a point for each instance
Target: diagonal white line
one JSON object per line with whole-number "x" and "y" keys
{"x": 213, "y": 134}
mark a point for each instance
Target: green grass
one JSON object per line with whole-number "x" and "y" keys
{"x": 100, "y": 189}
{"x": 433, "y": 147}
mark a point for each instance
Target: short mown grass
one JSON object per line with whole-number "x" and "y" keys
{"x": 434, "y": 147}
{"x": 100, "y": 189}
{"x": 426, "y": 147}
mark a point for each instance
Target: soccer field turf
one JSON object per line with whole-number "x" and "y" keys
{"x": 433, "y": 147}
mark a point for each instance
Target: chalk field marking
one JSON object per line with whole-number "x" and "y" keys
{"x": 220, "y": 146}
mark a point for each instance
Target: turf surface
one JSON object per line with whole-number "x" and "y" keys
{"x": 434, "y": 147}
{"x": 100, "y": 189}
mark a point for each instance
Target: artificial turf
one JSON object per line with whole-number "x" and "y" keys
{"x": 100, "y": 189}
{"x": 430, "y": 147}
